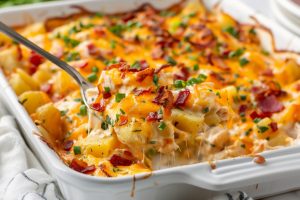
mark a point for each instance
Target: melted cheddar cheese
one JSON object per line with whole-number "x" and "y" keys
{"x": 172, "y": 87}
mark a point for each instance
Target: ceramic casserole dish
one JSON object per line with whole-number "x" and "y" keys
{"x": 230, "y": 174}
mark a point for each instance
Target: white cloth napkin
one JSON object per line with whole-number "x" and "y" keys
{"x": 21, "y": 175}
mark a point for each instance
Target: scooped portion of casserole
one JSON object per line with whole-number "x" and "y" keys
{"x": 173, "y": 87}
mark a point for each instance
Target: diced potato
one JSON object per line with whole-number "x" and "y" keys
{"x": 34, "y": 29}
{"x": 4, "y": 38}
{"x": 18, "y": 84}
{"x": 280, "y": 139}
{"x": 31, "y": 100}
{"x": 41, "y": 76}
{"x": 48, "y": 116}
{"x": 9, "y": 58}
{"x": 212, "y": 118}
{"x": 64, "y": 83}
{"x": 28, "y": 79}
{"x": 103, "y": 148}
{"x": 289, "y": 73}
{"x": 187, "y": 121}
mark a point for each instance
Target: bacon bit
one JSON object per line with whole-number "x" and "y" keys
{"x": 273, "y": 126}
{"x": 128, "y": 16}
{"x": 92, "y": 49}
{"x": 203, "y": 37}
{"x": 123, "y": 120}
{"x": 182, "y": 98}
{"x": 81, "y": 64}
{"x": 297, "y": 87}
{"x": 243, "y": 108}
{"x": 255, "y": 115}
{"x": 161, "y": 68}
{"x": 143, "y": 65}
{"x": 164, "y": 98}
{"x": 106, "y": 95}
{"x": 217, "y": 76}
{"x": 20, "y": 54}
{"x": 153, "y": 116}
{"x": 35, "y": 59}
{"x": 144, "y": 73}
{"x": 99, "y": 31}
{"x": 259, "y": 159}
{"x": 68, "y": 145}
{"x": 138, "y": 92}
{"x": 183, "y": 75}
{"x": 81, "y": 166}
{"x": 212, "y": 165}
{"x": 32, "y": 69}
{"x": 47, "y": 88}
{"x": 117, "y": 160}
{"x": 218, "y": 62}
{"x": 270, "y": 105}
{"x": 268, "y": 72}
{"x": 157, "y": 53}
{"x": 100, "y": 107}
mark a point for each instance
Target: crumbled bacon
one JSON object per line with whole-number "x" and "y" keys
{"x": 273, "y": 126}
{"x": 161, "y": 68}
{"x": 106, "y": 95}
{"x": 255, "y": 115}
{"x": 81, "y": 166}
{"x": 121, "y": 160}
{"x": 128, "y": 16}
{"x": 92, "y": 49}
{"x": 182, "y": 98}
{"x": 99, "y": 31}
{"x": 153, "y": 116}
{"x": 100, "y": 107}
{"x": 123, "y": 120}
{"x": 35, "y": 59}
{"x": 80, "y": 64}
{"x": 270, "y": 104}
{"x": 202, "y": 38}
{"x": 164, "y": 98}
{"x": 297, "y": 87}
{"x": 138, "y": 92}
{"x": 47, "y": 88}
{"x": 157, "y": 53}
{"x": 68, "y": 145}
{"x": 259, "y": 159}
{"x": 141, "y": 75}
{"x": 184, "y": 74}
{"x": 243, "y": 108}
{"x": 218, "y": 62}
{"x": 268, "y": 72}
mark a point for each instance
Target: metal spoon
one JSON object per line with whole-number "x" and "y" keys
{"x": 84, "y": 85}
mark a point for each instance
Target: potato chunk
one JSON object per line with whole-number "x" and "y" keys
{"x": 101, "y": 148}
{"x": 48, "y": 116}
{"x": 187, "y": 121}
{"x": 9, "y": 58}
{"x": 31, "y": 100}
{"x": 22, "y": 82}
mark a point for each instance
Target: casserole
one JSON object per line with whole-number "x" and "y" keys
{"x": 229, "y": 173}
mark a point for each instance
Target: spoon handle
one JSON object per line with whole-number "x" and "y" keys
{"x": 19, "y": 38}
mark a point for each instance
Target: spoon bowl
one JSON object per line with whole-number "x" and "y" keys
{"x": 84, "y": 85}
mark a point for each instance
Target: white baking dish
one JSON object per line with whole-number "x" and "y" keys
{"x": 281, "y": 171}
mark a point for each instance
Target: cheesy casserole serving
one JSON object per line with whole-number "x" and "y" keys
{"x": 173, "y": 87}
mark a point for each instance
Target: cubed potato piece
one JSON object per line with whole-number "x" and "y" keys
{"x": 48, "y": 116}
{"x": 18, "y": 84}
{"x": 103, "y": 148}
{"x": 28, "y": 79}
{"x": 187, "y": 121}
{"x": 33, "y": 30}
{"x": 41, "y": 76}
{"x": 64, "y": 83}
{"x": 289, "y": 73}
{"x": 31, "y": 100}
{"x": 9, "y": 59}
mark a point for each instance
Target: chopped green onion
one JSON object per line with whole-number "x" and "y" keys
{"x": 179, "y": 84}
{"x": 243, "y": 62}
{"x": 196, "y": 67}
{"x": 171, "y": 61}
{"x": 77, "y": 150}
{"x": 92, "y": 77}
{"x": 83, "y": 110}
{"x": 236, "y": 53}
{"x": 262, "y": 129}
{"x": 107, "y": 89}
{"x": 256, "y": 120}
{"x": 162, "y": 126}
{"x": 155, "y": 80}
{"x": 119, "y": 97}
{"x": 95, "y": 69}
{"x": 232, "y": 31}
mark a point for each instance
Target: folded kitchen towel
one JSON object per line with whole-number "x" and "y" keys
{"x": 21, "y": 175}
